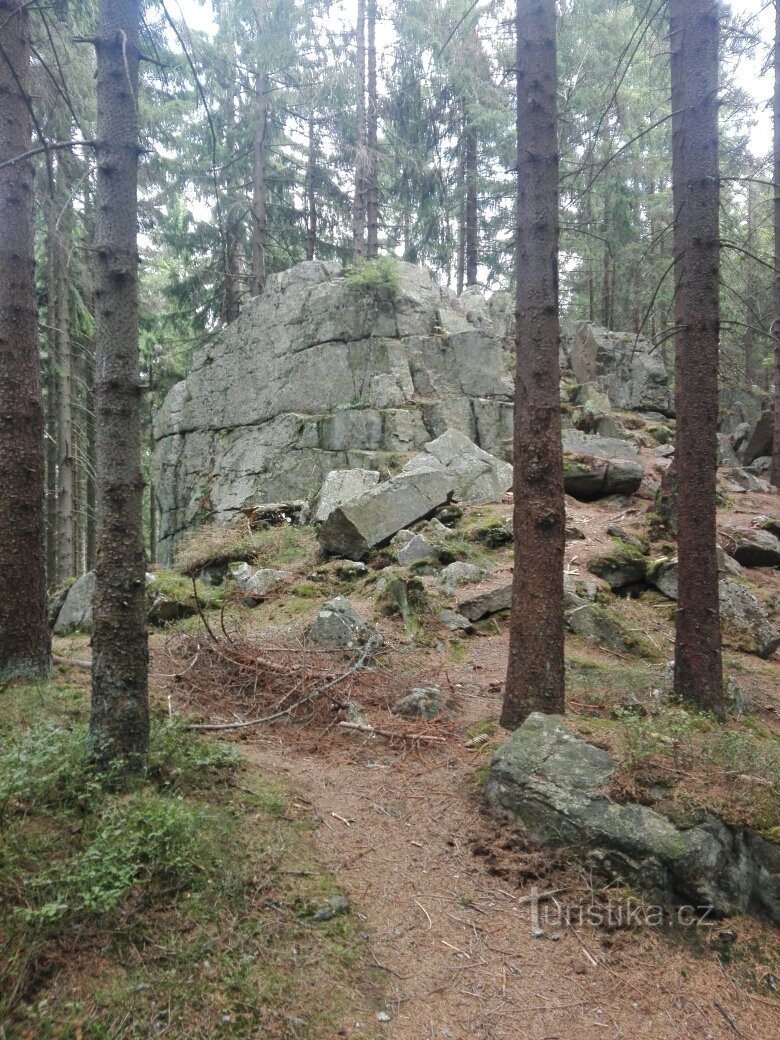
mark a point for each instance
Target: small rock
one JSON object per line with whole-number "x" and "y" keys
{"x": 455, "y": 622}
{"x": 335, "y": 907}
{"x": 382, "y": 1016}
{"x": 257, "y": 582}
{"x": 416, "y": 549}
{"x": 753, "y": 548}
{"x": 348, "y": 570}
{"x": 338, "y": 624}
{"x": 487, "y": 603}
{"x": 737, "y": 701}
{"x": 420, "y": 702}
{"x": 459, "y": 573}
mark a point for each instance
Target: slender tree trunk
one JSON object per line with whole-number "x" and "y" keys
{"x": 694, "y": 37}
{"x": 25, "y": 648}
{"x": 66, "y": 467}
{"x": 51, "y": 400}
{"x": 472, "y": 217}
{"x": 231, "y": 297}
{"x": 119, "y": 719}
{"x": 89, "y": 381}
{"x": 359, "y": 207}
{"x": 776, "y": 323}
{"x": 750, "y": 287}
{"x": 311, "y": 196}
{"x": 372, "y": 146}
{"x": 259, "y": 190}
{"x": 535, "y": 675}
{"x": 461, "y": 264}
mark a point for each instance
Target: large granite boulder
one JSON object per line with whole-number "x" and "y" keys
{"x": 555, "y": 783}
{"x": 317, "y": 375}
{"x": 744, "y": 618}
{"x": 595, "y": 467}
{"x": 355, "y": 528}
{"x": 75, "y": 614}
{"x": 627, "y": 368}
{"x": 752, "y": 547}
{"x": 760, "y": 438}
{"x": 480, "y": 476}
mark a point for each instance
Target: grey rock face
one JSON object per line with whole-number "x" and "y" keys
{"x": 341, "y": 486}
{"x": 480, "y": 476}
{"x": 338, "y": 624}
{"x": 627, "y": 369}
{"x": 594, "y": 623}
{"x": 554, "y": 782}
{"x": 76, "y": 612}
{"x": 315, "y": 376}
{"x": 417, "y": 548}
{"x": 371, "y": 520}
{"x": 421, "y": 702}
{"x": 742, "y": 610}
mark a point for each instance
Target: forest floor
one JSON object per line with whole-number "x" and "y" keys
{"x": 443, "y": 892}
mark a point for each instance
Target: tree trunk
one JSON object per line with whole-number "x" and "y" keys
{"x": 25, "y": 647}
{"x": 472, "y": 218}
{"x": 51, "y": 401}
{"x": 119, "y": 719}
{"x": 259, "y": 206}
{"x": 311, "y": 197}
{"x": 776, "y": 324}
{"x": 359, "y": 208}
{"x": 66, "y": 535}
{"x": 751, "y": 287}
{"x": 372, "y": 152}
{"x": 694, "y": 36}
{"x": 461, "y": 262}
{"x": 535, "y": 676}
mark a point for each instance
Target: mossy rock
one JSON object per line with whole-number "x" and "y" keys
{"x": 492, "y": 533}
{"x": 621, "y": 567}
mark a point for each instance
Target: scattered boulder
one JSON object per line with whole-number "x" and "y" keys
{"x": 56, "y": 601}
{"x": 342, "y": 486}
{"x": 493, "y": 533}
{"x": 753, "y": 547}
{"x": 600, "y": 626}
{"x": 338, "y": 624}
{"x": 402, "y": 595}
{"x": 422, "y": 702}
{"x": 760, "y": 439}
{"x": 459, "y": 573}
{"x": 455, "y": 622}
{"x": 349, "y": 570}
{"x": 257, "y": 582}
{"x": 738, "y": 479}
{"x": 413, "y": 549}
{"x": 621, "y": 566}
{"x": 555, "y": 783}
{"x": 577, "y": 591}
{"x": 662, "y": 573}
{"x": 596, "y": 467}
{"x": 742, "y": 613}
{"x": 164, "y": 611}
{"x": 355, "y": 528}
{"x": 487, "y": 603}
{"x": 480, "y": 476}
{"x": 76, "y": 612}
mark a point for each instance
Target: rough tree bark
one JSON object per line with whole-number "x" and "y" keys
{"x": 359, "y": 205}
{"x": 25, "y": 648}
{"x": 535, "y": 675}
{"x": 472, "y": 228}
{"x": 66, "y": 519}
{"x": 119, "y": 719}
{"x": 372, "y": 146}
{"x": 776, "y": 326}
{"x": 311, "y": 195}
{"x": 694, "y": 36}
{"x": 260, "y": 158}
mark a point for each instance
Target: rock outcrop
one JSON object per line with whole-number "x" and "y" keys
{"x": 555, "y": 783}
{"x": 318, "y": 374}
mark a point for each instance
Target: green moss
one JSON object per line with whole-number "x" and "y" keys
{"x": 379, "y": 279}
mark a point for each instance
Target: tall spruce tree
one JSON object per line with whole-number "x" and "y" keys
{"x": 119, "y": 718}
{"x": 25, "y": 648}
{"x": 535, "y": 675}
{"x": 776, "y": 208}
{"x": 694, "y": 29}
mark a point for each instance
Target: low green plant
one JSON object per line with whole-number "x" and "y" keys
{"x": 379, "y": 279}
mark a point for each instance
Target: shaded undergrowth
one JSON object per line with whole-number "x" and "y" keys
{"x": 179, "y": 907}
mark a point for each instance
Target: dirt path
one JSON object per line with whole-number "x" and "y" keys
{"x": 453, "y": 928}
